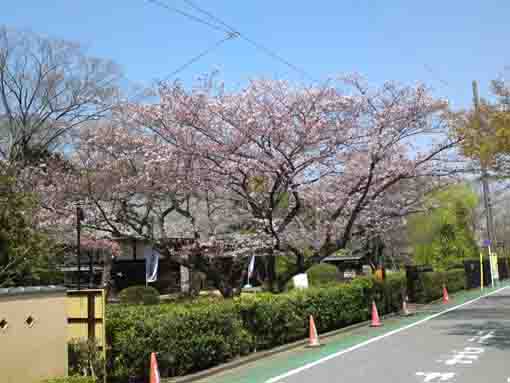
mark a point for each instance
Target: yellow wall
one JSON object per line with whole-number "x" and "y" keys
{"x": 29, "y": 354}
{"x": 77, "y": 308}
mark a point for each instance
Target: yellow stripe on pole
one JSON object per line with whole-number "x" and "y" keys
{"x": 481, "y": 271}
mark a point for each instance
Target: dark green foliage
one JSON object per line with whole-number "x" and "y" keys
{"x": 85, "y": 358}
{"x": 27, "y": 256}
{"x": 140, "y": 295}
{"x": 443, "y": 236}
{"x": 71, "y": 379}
{"x": 186, "y": 337}
{"x": 430, "y": 285}
{"x": 323, "y": 274}
{"x": 191, "y": 337}
{"x": 390, "y": 293}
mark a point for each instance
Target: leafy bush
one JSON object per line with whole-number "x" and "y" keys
{"x": 323, "y": 274}
{"x": 390, "y": 293}
{"x": 186, "y": 337}
{"x": 71, "y": 379}
{"x": 85, "y": 358}
{"x": 430, "y": 284}
{"x": 504, "y": 267}
{"x": 195, "y": 336}
{"x": 146, "y": 295}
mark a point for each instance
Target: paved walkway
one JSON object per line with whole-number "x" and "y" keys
{"x": 467, "y": 341}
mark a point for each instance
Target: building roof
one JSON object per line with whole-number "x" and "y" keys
{"x": 28, "y": 290}
{"x": 85, "y": 268}
{"x": 347, "y": 258}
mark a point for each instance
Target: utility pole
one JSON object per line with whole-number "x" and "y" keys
{"x": 79, "y": 218}
{"x": 485, "y": 182}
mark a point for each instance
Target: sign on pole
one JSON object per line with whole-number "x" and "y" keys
{"x": 494, "y": 268}
{"x": 300, "y": 281}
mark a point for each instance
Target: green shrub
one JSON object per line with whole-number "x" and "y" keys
{"x": 430, "y": 284}
{"x": 187, "y": 338}
{"x": 146, "y": 295}
{"x": 71, "y": 379}
{"x": 85, "y": 358}
{"x": 323, "y": 274}
{"x": 389, "y": 294}
{"x": 195, "y": 336}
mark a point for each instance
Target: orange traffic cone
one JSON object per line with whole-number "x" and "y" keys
{"x": 154, "y": 369}
{"x": 446, "y": 299}
{"x": 375, "y": 316}
{"x": 313, "y": 338}
{"x": 405, "y": 310}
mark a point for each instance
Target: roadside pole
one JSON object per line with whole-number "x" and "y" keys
{"x": 491, "y": 263}
{"x": 481, "y": 270}
{"x": 485, "y": 183}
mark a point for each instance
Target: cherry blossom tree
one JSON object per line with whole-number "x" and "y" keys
{"x": 131, "y": 184}
{"x": 285, "y": 152}
{"x": 305, "y": 169}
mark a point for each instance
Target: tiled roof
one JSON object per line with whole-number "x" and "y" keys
{"x": 10, "y": 291}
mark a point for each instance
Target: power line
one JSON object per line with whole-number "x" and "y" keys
{"x": 198, "y": 57}
{"x": 191, "y": 61}
{"x": 187, "y": 15}
{"x": 277, "y": 57}
{"x": 210, "y": 15}
{"x": 254, "y": 43}
{"x": 234, "y": 32}
{"x": 229, "y": 36}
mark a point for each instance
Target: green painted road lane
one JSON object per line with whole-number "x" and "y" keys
{"x": 266, "y": 369}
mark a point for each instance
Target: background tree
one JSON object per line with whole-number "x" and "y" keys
{"x": 48, "y": 87}
{"x": 485, "y": 135}
{"x": 444, "y": 235}
{"x": 27, "y": 256}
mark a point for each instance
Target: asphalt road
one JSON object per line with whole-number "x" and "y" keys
{"x": 470, "y": 344}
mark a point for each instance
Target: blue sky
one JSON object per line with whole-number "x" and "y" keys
{"x": 445, "y": 44}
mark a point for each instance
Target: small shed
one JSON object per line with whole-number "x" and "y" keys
{"x": 33, "y": 333}
{"x": 349, "y": 265}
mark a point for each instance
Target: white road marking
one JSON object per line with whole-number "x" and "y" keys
{"x": 432, "y": 376}
{"x": 481, "y": 338}
{"x": 466, "y": 356}
{"x": 377, "y": 338}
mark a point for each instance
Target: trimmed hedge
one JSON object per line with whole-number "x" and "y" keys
{"x": 187, "y": 338}
{"x": 146, "y": 295}
{"x": 390, "y": 293}
{"x": 323, "y": 274}
{"x": 193, "y": 336}
{"x": 430, "y": 284}
{"x": 196, "y": 336}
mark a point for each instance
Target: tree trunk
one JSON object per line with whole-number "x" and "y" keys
{"x": 91, "y": 269}
{"x": 107, "y": 272}
{"x": 271, "y": 271}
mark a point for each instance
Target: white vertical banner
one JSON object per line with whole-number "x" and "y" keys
{"x": 151, "y": 265}
{"x": 251, "y": 269}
